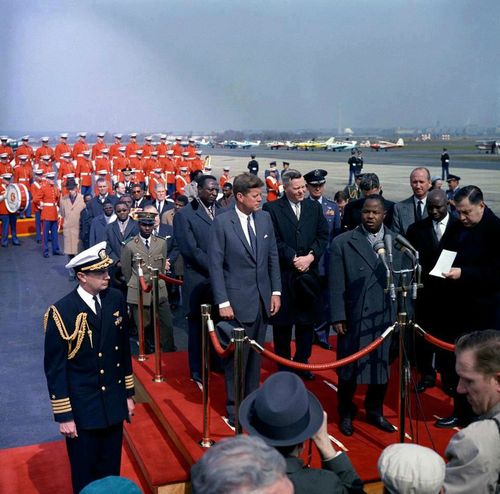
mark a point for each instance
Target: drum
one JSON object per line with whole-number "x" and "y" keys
{"x": 17, "y": 198}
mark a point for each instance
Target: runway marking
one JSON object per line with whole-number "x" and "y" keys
{"x": 337, "y": 442}
{"x": 437, "y": 417}
{"x": 330, "y": 385}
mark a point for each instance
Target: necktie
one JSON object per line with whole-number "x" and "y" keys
{"x": 419, "y": 210}
{"x": 297, "y": 210}
{"x": 439, "y": 233}
{"x": 98, "y": 309}
{"x": 251, "y": 235}
{"x": 146, "y": 243}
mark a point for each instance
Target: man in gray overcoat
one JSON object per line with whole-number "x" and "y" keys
{"x": 361, "y": 310}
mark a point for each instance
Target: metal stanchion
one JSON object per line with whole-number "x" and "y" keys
{"x": 156, "y": 320}
{"x": 206, "y": 322}
{"x": 403, "y": 374}
{"x": 239, "y": 386}
{"x": 140, "y": 309}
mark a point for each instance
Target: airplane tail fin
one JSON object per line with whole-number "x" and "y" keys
{"x": 330, "y": 141}
{"x": 400, "y": 142}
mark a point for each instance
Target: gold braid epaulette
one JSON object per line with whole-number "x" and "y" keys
{"x": 81, "y": 327}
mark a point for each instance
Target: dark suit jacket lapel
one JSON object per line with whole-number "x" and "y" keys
{"x": 288, "y": 211}
{"x": 238, "y": 230}
{"x": 128, "y": 229}
{"x": 363, "y": 247}
{"x": 201, "y": 213}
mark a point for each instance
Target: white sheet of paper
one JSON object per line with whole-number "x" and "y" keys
{"x": 443, "y": 264}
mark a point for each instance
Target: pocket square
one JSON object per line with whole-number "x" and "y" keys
{"x": 266, "y": 235}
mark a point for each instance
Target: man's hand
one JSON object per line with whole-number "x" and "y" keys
{"x": 302, "y": 263}
{"x": 167, "y": 265}
{"x": 275, "y": 304}
{"x": 68, "y": 429}
{"x": 453, "y": 274}
{"x": 131, "y": 407}
{"x": 226, "y": 312}
{"x": 322, "y": 441}
{"x": 340, "y": 327}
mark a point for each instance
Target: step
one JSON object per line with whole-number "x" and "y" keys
{"x": 161, "y": 463}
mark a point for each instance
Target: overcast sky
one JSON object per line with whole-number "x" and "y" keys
{"x": 206, "y": 65}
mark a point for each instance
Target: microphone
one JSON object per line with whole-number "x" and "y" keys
{"x": 379, "y": 248}
{"x": 388, "y": 246}
{"x": 405, "y": 243}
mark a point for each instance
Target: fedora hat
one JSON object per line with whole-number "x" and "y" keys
{"x": 281, "y": 412}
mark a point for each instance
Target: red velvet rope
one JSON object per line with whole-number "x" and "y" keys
{"x": 144, "y": 286}
{"x": 435, "y": 341}
{"x": 168, "y": 279}
{"x": 319, "y": 367}
{"x": 218, "y": 348}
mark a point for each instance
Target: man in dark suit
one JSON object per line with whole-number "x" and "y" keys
{"x": 100, "y": 223}
{"x": 192, "y": 226}
{"x": 361, "y": 310}
{"x": 245, "y": 274}
{"x": 162, "y": 204}
{"x": 96, "y": 204}
{"x": 369, "y": 184}
{"x": 138, "y": 198}
{"x": 302, "y": 235}
{"x": 119, "y": 231}
{"x": 315, "y": 181}
{"x": 412, "y": 209}
{"x": 89, "y": 370}
{"x": 472, "y": 284}
{"x": 427, "y": 236}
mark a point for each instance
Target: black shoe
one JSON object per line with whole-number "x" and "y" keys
{"x": 46, "y": 254}
{"x": 323, "y": 344}
{"x": 196, "y": 377}
{"x": 380, "y": 422}
{"x": 345, "y": 426}
{"x": 425, "y": 382}
{"x": 448, "y": 422}
{"x": 306, "y": 375}
{"x": 58, "y": 253}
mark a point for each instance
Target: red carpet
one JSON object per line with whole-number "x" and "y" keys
{"x": 163, "y": 438}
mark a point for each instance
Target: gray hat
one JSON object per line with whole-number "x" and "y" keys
{"x": 410, "y": 468}
{"x": 112, "y": 484}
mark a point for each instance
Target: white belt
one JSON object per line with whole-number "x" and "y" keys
{"x": 23, "y": 179}
{"x": 48, "y": 204}
{"x": 82, "y": 174}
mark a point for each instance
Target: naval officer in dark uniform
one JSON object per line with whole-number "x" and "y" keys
{"x": 89, "y": 369}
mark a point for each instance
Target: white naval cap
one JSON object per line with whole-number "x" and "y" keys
{"x": 82, "y": 134}
{"x": 101, "y": 134}
{"x": 93, "y": 259}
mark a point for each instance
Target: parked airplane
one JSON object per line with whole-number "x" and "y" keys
{"x": 385, "y": 145}
{"x": 277, "y": 144}
{"x": 488, "y": 146}
{"x": 333, "y": 145}
{"x": 312, "y": 144}
{"x": 240, "y": 144}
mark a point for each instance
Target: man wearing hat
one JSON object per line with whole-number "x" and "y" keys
{"x": 44, "y": 150}
{"x": 285, "y": 415}
{"x": 273, "y": 185}
{"x": 191, "y": 148}
{"x": 5, "y": 166}
{"x": 177, "y": 147}
{"x": 272, "y": 166}
{"x": 6, "y": 217}
{"x": 361, "y": 309}
{"x": 66, "y": 168}
{"x": 147, "y": 147}
{"x": 225, "y": 177}
{"x": 71, "y": 207}
{"x": 315, "y": 181}
{"x": 138, "y": 164}
{"x": 25, "y": 150}
{"x": 453, "y": 187}
{"x": 89, "y": 370}
{"x": 115, "y": 147}
{"x": 62, "y": 147}
{"x": 23, "y": 174}
{"x": 35, "y": 190}
{"x": 84, "y": 171}
{"x": 99, "y": 145}
{"x": 132, "y": 146}
{"x": 197, "y": 163}
{"x": 47, "y": 200}
{"x": 242, "y": 252}
{"x": 153, "y": 252}
{"x": 411, "y": 469}
{"x": 181, "y": 180}
{"x": 81, "y": 144}
{"x": 45, "y": 165}
{"x": 168, "y": 165}
{"x": 302, "y": 235}
{"x": 162, "y": 147}
{"x": 445, "y": 164}
{"x": 353, "y": 191}
{"x": 119, "y": 162}
{"x": 253, "y": 165}
{"x": 5, "y": 148}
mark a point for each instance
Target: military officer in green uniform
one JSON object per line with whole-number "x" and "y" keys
{"x": 153, "y": 252}
{"x": 89, "y": 370}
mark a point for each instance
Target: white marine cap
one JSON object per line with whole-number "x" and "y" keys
{"x": 170, "y": 152}
{"x": 86, "y": 152}
{"x": 70, "y": 175}
{"x": 133, "y": 134}
{"x": 185, "y": 153}
{"x": 102, "y": 172}
{"x": 101, "y": 134}
{"x": 139, "y": 151}
{"x": 157, "y": 170}
{"x": 7, "y": 176}
{"x": 191, "y": 140}
{"x": 105, "y": 150}
{"x": 23, "y": 157}
{"x": 148, "y": 138}
{"x": 122, "y": 148}
{"x": 46, "y": 157}
{"x": 4, "y": 156}
{"x": 178, "y": 138}
{"x": 50, "y": 175}
{"x": 4, "y": 138}
{"x": 93, "y": 259}
{"x": 25, "y": 138}
{"x": 66, "y": 155}
{"x": 163, "y": 137}
{"x": 198, "y": 151}
{"x": 45, "y": 139}
{"x": 82, "y": 134}
{"x": 226, "y": 168}
{"x": 410, "y": 468}
{"x": 38, "y": 171}
{"x": 118, "y": 136}
{"x": 183, "y": 168}
{"x": 63, "y": 135}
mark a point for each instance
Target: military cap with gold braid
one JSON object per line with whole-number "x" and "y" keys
{"x": 93, "y": 259}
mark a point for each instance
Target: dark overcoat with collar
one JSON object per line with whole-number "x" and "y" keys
{"x": 191, "y": 230}
{"x": 115, "y": 239}
{"x": 92, "y": 386}
{"x": 297, "y": 238}
{"x": 357, "y": 295}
